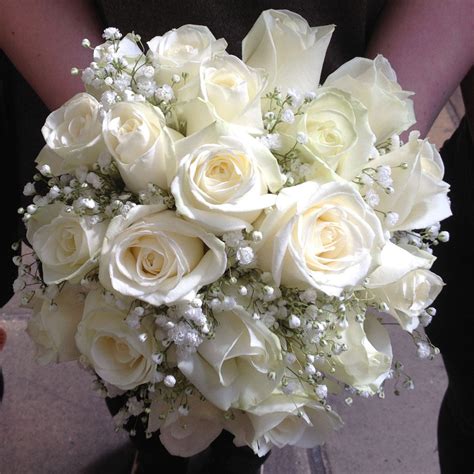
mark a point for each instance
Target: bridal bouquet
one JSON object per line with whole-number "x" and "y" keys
{"x": 221, "y": 241}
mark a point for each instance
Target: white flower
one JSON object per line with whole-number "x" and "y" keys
{"x": 183, "y": 50}
{"x": 423, "y": 350}
{"x": 420, "y": 195}
{"x": 186, "y": 433}
{"x": 153, "y": 255}
{"x": 225, "y": 184}
{"x": 374, "y": 83}
{"x": 408, "y": 296}
{"x": 338, "y": 132}
{"x": 233, "y": 91}
{"x": 115, "y": 350}
{"x": 141, "y": 144}
{"x": 289, "y": 50}
{"x": 367, "y": 361}
{"x": 64, "y": 243}
{"x": 296, "y": 421}
{"x": 29, "y": 189}
{"x": 288, "y": 116}
{"x": 323, "y": 236}
{"x": 245, "y": 255}
{"x": 73, "y": 135}
{"x": 233, "y": 368}
{"x": 111, "y": 33}
{"x": 53, "y": 328}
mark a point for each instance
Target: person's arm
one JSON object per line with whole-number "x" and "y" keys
{"x": 43, "y": 41}
{"x": 430, "y": 44}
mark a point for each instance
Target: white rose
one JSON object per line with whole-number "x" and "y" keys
{"x": 66, "y": 244}
{"x": 73, "y": 133}
{"x": 338, "y": 132}
{"x": 141, "y": 144}
{"x": 53, "y": 326}
{"x": 233, "y": 91}
{"x": 374, "y": 83}
{"x": 182, "y": 50}
{"x": 299, "y": 421}
{"x": 408, "y": 297}
{"x": 186, "y": 435}
{"x": 153, "y": 255}
{"x": 233, "y": 369}
{"x": 420, "y": 194}
{"x": 368, "y": 359}
{"x": 323, "y": 236}
{"x": 224, "y": 179}
{"x": 289, "y": 49}
{"x": 120, "y": 355}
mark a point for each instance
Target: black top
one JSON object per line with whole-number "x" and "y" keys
{"x": 354, "y": 20}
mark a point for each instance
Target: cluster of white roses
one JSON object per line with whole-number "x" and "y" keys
{"x": 216, "y": 237}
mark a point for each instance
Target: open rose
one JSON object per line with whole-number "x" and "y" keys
{"x": 153, "y": 255}
{"x": 298, "y": 421}
{"x": 408, "y": 297}
{"x": 337, "y": 130}
{"x": 420, "y": 196}
{"x": 374, "y": 83}
{"x": 368, "y": 359}
{"x": 233, "y": 91}
{"x": 323, "y": 236}
{"x": 240, "y": 366}
{"x": 289, "y": 49}
{"x": 73, "y": 135}
{"x": 53, "y": 326}
{"x": 121, "y": 355}
{"x": 186, "y": 434}
{"x": 141, "y": 144}
{"x": 224, "y": 179}
{"x": 66, "y": 243}
{"x": 182, "y": 50}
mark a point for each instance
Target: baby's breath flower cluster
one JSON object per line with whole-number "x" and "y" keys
{"x": 217, "y": 244}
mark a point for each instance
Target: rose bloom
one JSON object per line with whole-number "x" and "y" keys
{"x": 233, "y": 369}
{"x": 338, "y": 132}
{"x": 183, "y": 50}
{"x": 374, "y": 83}
{"x": 408, "y": 297}
{"x": 121, "y": 355}
{"x": 368, "y": 359}
{"x": 420, "y": 196}
{"x": 323, "y": 236}
{"x": 141, "y": 144}
{"x": 186, "y": 435}
{"x": 53, "y": 328}
{"x": 233, "y": 91}
{"x": 65, "y": 243}
{"x": 290, "y": 51}
{"x": 224, "y": 183}
{"x": 296, "y": 420}
{"x": 73, "y": 135}
{"x": 153, "y": 255}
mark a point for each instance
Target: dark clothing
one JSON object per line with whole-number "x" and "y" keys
{"x": 232, "y": 20}
{"x": 452, "y": 328}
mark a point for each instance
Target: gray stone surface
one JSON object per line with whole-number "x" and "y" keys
{"x": 396, "y": 435}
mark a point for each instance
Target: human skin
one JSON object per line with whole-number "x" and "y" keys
{"x": 428, "y": 42}
{"x": 430, "y": 45}
{"x": 43, "y": 38}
